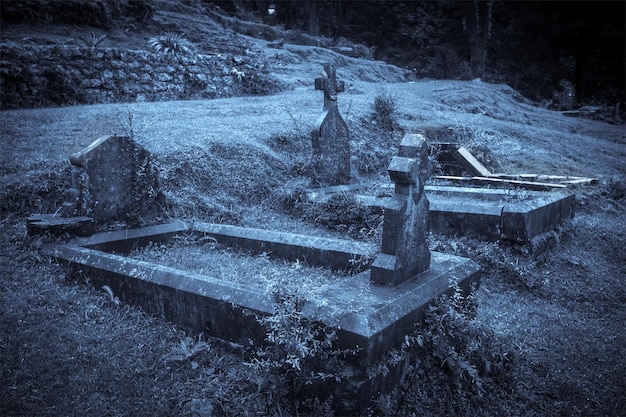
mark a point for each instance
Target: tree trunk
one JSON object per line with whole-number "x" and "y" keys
{"x": 478, "y": 27}
{"x": 314, "y": 20}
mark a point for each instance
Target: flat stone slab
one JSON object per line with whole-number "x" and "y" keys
{"x": 52, "y": 223}
{"x": 337, "y": 254}
{"x": 124, "y": 241}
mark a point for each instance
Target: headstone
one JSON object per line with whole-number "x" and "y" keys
{"x": 116, "y": 180}
{"x": 404, "y": 253}
{"x": 331, "y": 140}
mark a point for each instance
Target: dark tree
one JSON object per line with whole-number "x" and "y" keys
{"x": 478, "y": 14}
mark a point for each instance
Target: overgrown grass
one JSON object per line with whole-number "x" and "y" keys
{"x": 206, "y": 257}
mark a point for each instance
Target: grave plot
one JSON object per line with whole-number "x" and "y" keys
{"x": 508, "y": 207}
{"x": 373, "y": 301}
{"x": 223, "y": 301}
{"x": 486, "y": 213}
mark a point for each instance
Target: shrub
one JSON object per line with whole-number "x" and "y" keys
{"x": 565, "y": 96}
{"x": 171, "y": 43}
{"x": 447, "y": 357}
{"x": 341, "y": 213}
{"x": 615, "y": 187}
{"x": 297, "y": 352}
{"x": 92, "y": 41}
{"x": 384, "y": 111}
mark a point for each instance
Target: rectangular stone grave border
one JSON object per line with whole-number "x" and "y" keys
{"x": 483, "y": 213}
{"x": 373, "y": 318}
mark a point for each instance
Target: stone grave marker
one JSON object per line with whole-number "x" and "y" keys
{"x": 404, "y": 253}
{"x": 115, "y": 179}
{"x": 330, "y": 137}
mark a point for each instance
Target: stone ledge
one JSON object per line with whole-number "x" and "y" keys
{"x": 372, "y": 317}
{"x": 123, "y": 241}
{"x": 43, "y": 223}
{"x": 337, "y": 254}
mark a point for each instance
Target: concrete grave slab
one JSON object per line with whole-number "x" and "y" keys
{"x": 124, "y": 241}
{"x": 56, "y": 225}
{"x": 484, "y": 213}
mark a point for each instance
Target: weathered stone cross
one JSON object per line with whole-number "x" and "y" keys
{"x": 404, "y": 252}
{"x": 331, "y": 140}
{"x": 329, "y": 84}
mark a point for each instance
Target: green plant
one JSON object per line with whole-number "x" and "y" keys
{"x": 171, "y": 43}
{"x": 615, "y": 187}
{"x": 92, "y": 41}
{"x": 446, "y": 357}
{"x": 297, "y": 352}
{"x": 341, "y": 213}
{"x": 384, "y": 110}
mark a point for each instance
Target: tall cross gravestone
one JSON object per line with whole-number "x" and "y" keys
{"x": 331, "y": 140}
{"x": 404, "y": 252}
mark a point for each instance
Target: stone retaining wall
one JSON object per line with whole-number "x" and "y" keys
{"x": 44, "y": 76}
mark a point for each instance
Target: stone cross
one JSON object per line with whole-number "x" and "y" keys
{"x": 404, "y": 252}
{"x": 329, "y": 84}
{"x": 330, "y": 137}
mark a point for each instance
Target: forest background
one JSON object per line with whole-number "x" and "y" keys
{"x": 543, "y": 49}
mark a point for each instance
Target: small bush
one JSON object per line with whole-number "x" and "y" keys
{"x": 92, "y": 41}
{"x": 297, "y": 353}
{"x": 384, "y": 111}
{"x": 341, "y": 213}
{"x": 615, "y": 188}
{"x": 564, "y": 97}
{"x": 448, "y": 357}
{"x": 171, "y": 43}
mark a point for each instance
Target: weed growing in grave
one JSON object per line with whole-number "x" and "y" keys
{"x": 446, "y": 351}
{"x": 297, "y": 352}
{"x": 341, "y": 213}
{"x": 170, "y": 43}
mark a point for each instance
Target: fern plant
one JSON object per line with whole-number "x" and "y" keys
{"x": 93, "y": 41}
{"x": 170, "y": 43}
{"x": 297, "y": 352}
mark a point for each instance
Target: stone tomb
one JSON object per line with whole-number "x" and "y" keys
{"x": 373, "y": 317}
{"x": 330, "y": 137}
{"x": 115, "y": 179}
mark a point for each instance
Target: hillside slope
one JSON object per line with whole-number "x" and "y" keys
{"x": 545, "y": 335}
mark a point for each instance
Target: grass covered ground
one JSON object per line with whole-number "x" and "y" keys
{"x": 542, "y": 335}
